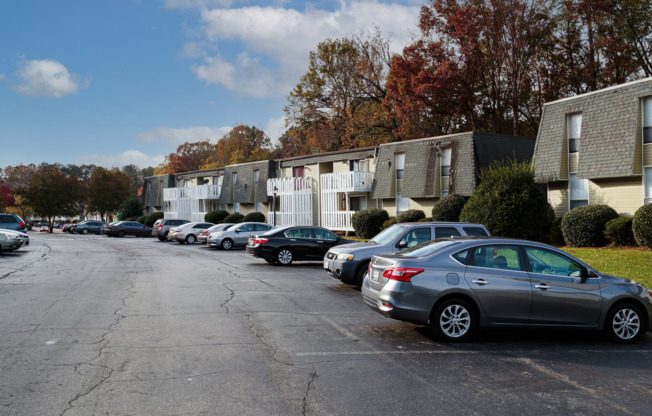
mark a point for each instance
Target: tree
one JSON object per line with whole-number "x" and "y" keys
{"x": 135, "y": 177}
{"x": 106, "y": 190}
{"x": 190, "y": 156}
{"x": 130, "y": 207}
{"x": 51, "y": 193}
{"x": 242, "y": 144}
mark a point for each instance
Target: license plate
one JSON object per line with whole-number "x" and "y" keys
{"x": 375, "y": 275}
{"x": 325, "y": 265}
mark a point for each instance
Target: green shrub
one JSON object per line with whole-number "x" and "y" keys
{"x": 448, "y": 208}
{"x": 254, "y": 217}
{"x": 216, "y": 217}
{"x": 369, "y": 222}
{"x": 509, "y": 203}
{"x": 619, "y": 231}
{"x": 130, "y": 208}
{"x": 389, "y": 222}
{"x": 556, "y": 237}
{"x": 411, "y": 215}
{"x": 134, "y": 218}
{"x": 142, "y": 219}
{"x": 233, "y": 218}
{"x": 427, "y": 219}
{"x": 642, "y": 226}
{"x": 584, "y": 226}
{"x": 151, "y": 218}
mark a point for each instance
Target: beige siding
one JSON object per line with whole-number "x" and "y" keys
{"x": 438, "y": 178}
{"x": 286, "y": 172}
{"x": 625, "y": 195}
{"x": 563, "y": 166}
{"x": 558, "y": 197}
{"x": 445, "y": 182}
{"x": 424, "y": 205}
{"x": 573, "y": 161}
{"x": 247, "y": 208}
{"x": 647, "y": 154}
{"x": 399, "y": 186}
{"x": 340, "y": 166}
{"x": 389, "y": 205}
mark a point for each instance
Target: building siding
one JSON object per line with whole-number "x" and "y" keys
{"x": 573, "y": 162}
{"x": 558, "y": 197}
{"x": 625, "y": 195}
{"x": 647, "y": 155}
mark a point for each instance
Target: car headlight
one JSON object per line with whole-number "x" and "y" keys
{"x": 218, "y": 235}
{"x": 345, "y": 256}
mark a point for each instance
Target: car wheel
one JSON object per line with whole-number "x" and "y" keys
{"x": 165, "y": 236}
{"x": 84, "y": 231}
{"x": 453, "y": 321}
{"x": 227, "y": 244}
{"x": 121, "y": 233}
{"x": 284, "y": 256}
{"x": 360, "y": 273}
{"x": 625, "y": 323}
{"x": 161, "y": 238}
{"x": 191, "y": 239}
{"x": 270, "y": 261}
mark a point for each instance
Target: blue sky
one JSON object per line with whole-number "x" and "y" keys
{"x": 113, "y": 82}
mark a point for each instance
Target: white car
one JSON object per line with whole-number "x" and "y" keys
{"x": 203, "y": 237}
{"x": 23, "y": 236}
{"x": 237, "y": 235}
{"x": 187, "y": 233}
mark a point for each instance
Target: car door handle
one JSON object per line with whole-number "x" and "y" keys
{"x": 320, "y": 242}
{"x": 480, "y": 282}
{"x": 542, "y": 286}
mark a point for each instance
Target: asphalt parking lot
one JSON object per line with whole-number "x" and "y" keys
{"x": 134, "y": 326}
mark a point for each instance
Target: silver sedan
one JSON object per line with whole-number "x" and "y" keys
{"x": 455, "y": 285}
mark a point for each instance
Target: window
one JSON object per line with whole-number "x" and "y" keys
{"x": 258, "y": 206}
{"x": 416, "y": 236}
{"x": 475, "y": 231}
{"x": 574, "y": 132}
{"x": 234, "y": 175}
{"x": 400, "y": 165}
{"x": 446, "y": 161}
{"x": 647, "y": 120}
{"x": 248, "y": 227}
{"x": 402, "y": 204}
{"x": 298, "y": 171}
{"x": 256, "y": 174}
{"x": 648, "y": 186}
{"x": 548, "y": 262}
{"x": 444, "y": 232}
{"x": 299, "y": 233}
{"x": 261, "y": 227}
{"x": 357, "y": 203}
{"x": 462, "y": 256}
{"x": 358, "y": 165}
{"x": 578, "y": 190}
{"x": 496, "y": 257}
{"x": 323, "y": 234}
{"x": 236, "y": 207}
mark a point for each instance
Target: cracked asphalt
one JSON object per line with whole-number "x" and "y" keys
{"x": 91, "y": 325}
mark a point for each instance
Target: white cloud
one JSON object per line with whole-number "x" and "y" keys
{"x": 175, "y": 137}
{"x": 283, "y": 39}
{"x": 275, "y": 128}
{"x": 196, "y": 4}
{"x": 2, "y": 77}
{"x": 191, "y": 50}
{"x": 135, "y": 157}
{"x": 47, "y": 78}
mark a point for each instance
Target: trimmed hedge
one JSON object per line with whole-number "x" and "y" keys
{"x": 448, "y": 208}
{"x": 254, "y": 217}
{"x": 151, "y": 218}
{"x": 427, "y": 219}
{"x": 133, "y": 218}
{"x": 642, "y": 226}
{"x": 216, "y": 217}
{"x": 619, "y": 231}
{"x": 556, "y": 237}
{"x": 584, "y": 226}
{"x": 142, "y": 219}
{"x": 369, "y": 222}
{"x": 389, "y": 222}
{"x": 234, "y": 218}
{"x": 411, "y": 215}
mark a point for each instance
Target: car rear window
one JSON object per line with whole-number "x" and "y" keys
{"x": 7, "y": 219}
{"x": 444, "y": 232}
{"x": 475, "y": 231}
{"x": 428, "y": 248}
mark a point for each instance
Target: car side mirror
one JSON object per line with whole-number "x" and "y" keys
{"x": 237, "y": 231}
{"x": 402, "y": 244}
{"x": 586, "y": 274}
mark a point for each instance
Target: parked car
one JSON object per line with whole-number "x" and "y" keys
{"x": 187, "y": 233}
{"x": 9, "y": 241}
{"x": 287, "y": 244}
{"x": 455, "y": 285}
{"x": 23, "y": 236}
{"x": 11, "y": 222}
{"x": 44, "y": 228}
{"x": 67, "y": 228}
{"x": 203, "y": 237}
{"x": 350, "y": 263}
{"x": 123, "y": 228}
{"x": 237, "y": 235}
{"x": 162, "y": 227}
{"x": 88, "y": 226}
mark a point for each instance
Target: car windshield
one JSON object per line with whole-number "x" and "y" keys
{"x": 427, "y": 248}
{"x": 388, "y": 235}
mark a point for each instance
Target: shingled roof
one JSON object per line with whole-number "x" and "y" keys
{"x": 611, "y": 120}
{"x": 242, "y": 189}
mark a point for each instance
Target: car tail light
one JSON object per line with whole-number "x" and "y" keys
{"x": 160, "y": 226}
{"x": 206, "y": 233}
{"x": 402, "y": 274}
{"x": 21, "y": 224}
{"x": 260, "y": 240}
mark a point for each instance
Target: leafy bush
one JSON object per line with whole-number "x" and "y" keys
{"x": 448, "y": 208}
{"x": 619, "y": 231}
{"x": 556, "y": 237}
{"x": 142, "y": 219}
{"x": 254, "y": 217}
{"x": 134, "y": 218}
{"x": 216, "y": 217}
{"x": 151, "y": 218}
{"x": 642, "y": 226}
{"x": 369, "y": 222}
{"x": 130, "y": 208}
{"x": 427, "y": 219}
{"x": 389, "y": 222}
{"x": 584, "y": 226}
{"x": 509, "y": 203}
{"x": 411, "y": 215}
{"x": 233, "y": 218}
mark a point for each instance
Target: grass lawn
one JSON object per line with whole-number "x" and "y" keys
{"x": 634, "y": 264}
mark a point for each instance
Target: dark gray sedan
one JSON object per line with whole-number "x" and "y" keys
{"x": 455, "y": 285}
{"x": 122, "y": 228}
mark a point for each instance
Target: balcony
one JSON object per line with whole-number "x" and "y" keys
{"x": 347, "y": 182}
{"x": 293, "y": 201}
{"x": 192, "y": 192}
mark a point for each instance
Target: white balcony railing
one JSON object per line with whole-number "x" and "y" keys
{"x": 293, "y": 201}
{"x": 185, "y": 215}
{"x": 337, "y": 220}
{"x": 192, "y": 192}
{"x": 346, "y": 181}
